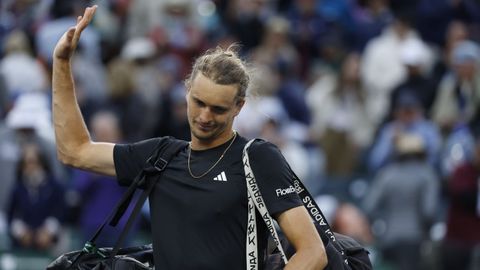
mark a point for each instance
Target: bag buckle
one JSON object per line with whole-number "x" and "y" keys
{"x": 91, "y": 248}
{"x": 159, "y": 165}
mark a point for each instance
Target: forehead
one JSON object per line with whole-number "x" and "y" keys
{"x": 212, "y": 93}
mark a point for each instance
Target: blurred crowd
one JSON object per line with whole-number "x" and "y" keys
{"x": 375, "y": 104}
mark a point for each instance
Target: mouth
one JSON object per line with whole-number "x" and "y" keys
{"x": 205, "y": 127}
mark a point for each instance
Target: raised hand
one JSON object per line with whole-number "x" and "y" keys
{"x": 69, "y": 41}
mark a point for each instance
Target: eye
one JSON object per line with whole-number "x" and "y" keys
{"x": 199, "y": 102}
{"x": 219, "y": 110}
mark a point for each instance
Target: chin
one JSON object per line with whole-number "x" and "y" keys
{"x": 204, "y": 136}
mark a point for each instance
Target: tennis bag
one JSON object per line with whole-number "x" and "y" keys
{"x": 116, "y": 258}
{"x": 131, "y": 258}
{"x": 355, "y": 255}
{"x": 343, "y": 252}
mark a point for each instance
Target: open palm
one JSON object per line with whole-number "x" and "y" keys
{"x": 69, "y": 41}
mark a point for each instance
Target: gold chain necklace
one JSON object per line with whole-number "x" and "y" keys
{"x": 215, "y": 164}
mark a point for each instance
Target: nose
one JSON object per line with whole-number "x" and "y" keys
{"x": 205, "y": 116}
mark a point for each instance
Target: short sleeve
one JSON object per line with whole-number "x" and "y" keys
{"x": 274, "y": 177}
{"x": 130, "y": 158}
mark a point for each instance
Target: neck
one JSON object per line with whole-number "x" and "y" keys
{"x": 199, "y": 144}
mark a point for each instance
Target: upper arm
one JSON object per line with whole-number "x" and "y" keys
{"x": 276, "y": 184}
{"x": 96, "y": 157}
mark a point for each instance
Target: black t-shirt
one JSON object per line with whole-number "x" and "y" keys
{"x": 201, "y": 223}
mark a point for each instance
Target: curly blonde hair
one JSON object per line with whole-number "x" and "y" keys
{"x": 223, "y": 66}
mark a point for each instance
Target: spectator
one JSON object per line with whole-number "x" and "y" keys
{"x": 174, "y": 23}
{"x": 309, "y": 27}
{"x": 342, "y": 123}
{"x": 263, "y": 105}
{"x": 346, "y": 218}
{"x": 350, "y": 220}
{"x": 64, "y": 14}
{"x": 173, "y": 117}
{"x": 458, "y": 148}
{"x": 278, "y": 52}
{"x": 100, "y": 193}
{"x": 125, "y": 100}
{"x": 434, "y": 16}
{"x": 382, "y": 55}
{"x": 408, "y": 117}
{"x": 417, "y": 60}
{"x": 403, "y": 197}
{"x": 27, "y": 122}
{"x": 370, "y": 18}
{"x": 36, "y": 203}
{"x": 21, "y": 71}
{"x": 4, "y": 103}
{"x": 458, "y": 95}
{"x": 245, "y": 20}
{"x": 456, "y": 32}
{"x": 463, "y": 218}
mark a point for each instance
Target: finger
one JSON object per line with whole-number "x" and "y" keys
{"x": 82, "y": 23}
{"x": 88, "y": 14}
{"x": 87, "y": 17}
{"x": 71, "y": 33}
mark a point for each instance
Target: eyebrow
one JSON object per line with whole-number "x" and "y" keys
{"x": 216, "y": 107}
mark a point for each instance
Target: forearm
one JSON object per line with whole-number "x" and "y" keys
{"x": 74, "y": 146}
{"x": 307, "y": 260}
{"x": 70, "y": 130}
{"x": 302, "y": 234}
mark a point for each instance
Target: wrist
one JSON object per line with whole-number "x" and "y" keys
{"x": 61, "y": 60}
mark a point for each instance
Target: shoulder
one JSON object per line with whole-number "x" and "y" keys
{"x": 130, "y": 158}
{"x": 145, "y": 146}
{"x": 264, "y": 148}
{"x": 138, "y": 152}
{"x": 263, "y": 154}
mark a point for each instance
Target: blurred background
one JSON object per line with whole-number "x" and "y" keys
{"x": 375, "y": 104}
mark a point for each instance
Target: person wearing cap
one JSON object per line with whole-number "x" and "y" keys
{"x": 416, "y": 57}
{"x": 458, "y": 95}
{"x": 27, "y": 122}
{"x": 407, "y": 117}
{"x": 199, "y": 208}
{"x": 404, "y": 197}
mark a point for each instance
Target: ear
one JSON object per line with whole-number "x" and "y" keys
{"x": 239, "y": 106}
{"x": 187, "y": 94}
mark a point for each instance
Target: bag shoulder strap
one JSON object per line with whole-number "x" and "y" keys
{"x": 308, "y": 201}
{"x": 155, "y": 164}
{"x": 255, "y": 201}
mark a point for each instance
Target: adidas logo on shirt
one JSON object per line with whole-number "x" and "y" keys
{"x": 221, "y": 177}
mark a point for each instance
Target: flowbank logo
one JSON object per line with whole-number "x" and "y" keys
{"x": 284, "y": 191}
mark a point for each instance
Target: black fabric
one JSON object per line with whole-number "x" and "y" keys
{"x": 126, "y": 259}
{"x": 206, "y": 219}
{"x": 355, "y": 254}
{"x": 342, "y": 251}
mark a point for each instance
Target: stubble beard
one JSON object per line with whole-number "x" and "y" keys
{"x": 209, "y": 136}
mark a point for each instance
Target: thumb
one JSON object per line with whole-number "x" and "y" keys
{"x": 71, "y": 33}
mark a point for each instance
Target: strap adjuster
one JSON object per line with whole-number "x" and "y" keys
{"x": 159, "y": 165}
